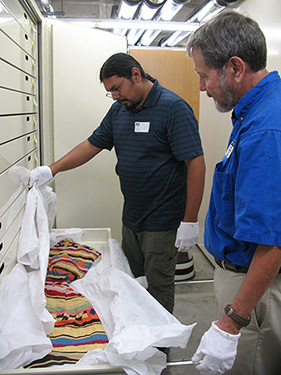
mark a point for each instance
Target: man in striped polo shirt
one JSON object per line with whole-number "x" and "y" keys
{"x": 160, "y": 165}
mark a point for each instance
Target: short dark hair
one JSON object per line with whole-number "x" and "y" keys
{"x": 120, "y": 64}
{"x": 230, "y": 34}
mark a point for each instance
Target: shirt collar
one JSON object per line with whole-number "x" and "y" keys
{"x": 153, "y": 95}
{"x": 254, "y": 94}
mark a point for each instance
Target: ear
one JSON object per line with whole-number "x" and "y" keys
{"x": 237, "y": 67}
{"x": 136, "y": 75}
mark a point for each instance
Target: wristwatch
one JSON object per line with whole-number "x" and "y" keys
{"x": 237, "y": 318}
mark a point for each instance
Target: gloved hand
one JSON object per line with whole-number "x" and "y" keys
{"x": 41, "y": 176}
{"x": 217, "y": 350}
{"x": 187, "y": 236}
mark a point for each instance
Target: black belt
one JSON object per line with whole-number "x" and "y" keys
{"x": 227, "y": 265}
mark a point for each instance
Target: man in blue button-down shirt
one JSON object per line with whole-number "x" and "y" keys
{"x": 243, "y": 229}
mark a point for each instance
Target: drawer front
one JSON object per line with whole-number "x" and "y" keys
{"x": 12, "y": 127}
{"x": 15, "y": 150}
{"x": 21, "y": 16}
{"x": 10, "y": 189}
{"x": 13, "y": 78}
{"x": 9, "y": 260}
{"x": 12, "y": 218}
{"x": 13, "y": 54}
{"x": 13, "y": 103}
{"x": 12, "y": 28}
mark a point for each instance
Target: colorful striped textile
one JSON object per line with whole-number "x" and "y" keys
{"x": 78, "y": 328}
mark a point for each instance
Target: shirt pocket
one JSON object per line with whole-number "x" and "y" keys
{"x": 223, "y": 194}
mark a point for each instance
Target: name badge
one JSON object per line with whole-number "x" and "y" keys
{"x": 230, "y": 149}
{"x": 142, "y": 127}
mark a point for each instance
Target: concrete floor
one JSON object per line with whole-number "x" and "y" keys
{"x": 195, "y": 302}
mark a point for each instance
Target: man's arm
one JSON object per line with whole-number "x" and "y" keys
{"x": 264, "y": 267}
{"x": 79, "y": 155}
{"x": 188, "y": 231}
{"x": 195, "y": 187}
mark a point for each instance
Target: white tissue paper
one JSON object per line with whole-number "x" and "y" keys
{"x": 24, "y": 321}
{"x": 134, "y": 321}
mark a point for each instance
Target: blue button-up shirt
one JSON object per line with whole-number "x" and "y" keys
{"x": 245, "y": 203}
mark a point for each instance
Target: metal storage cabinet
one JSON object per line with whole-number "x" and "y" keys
{"x": 19, "y": 114}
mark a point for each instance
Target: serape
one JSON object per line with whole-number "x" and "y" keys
{"x": 78, "y": 328}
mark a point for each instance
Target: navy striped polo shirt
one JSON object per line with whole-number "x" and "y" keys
{"x": 151, "y": 145}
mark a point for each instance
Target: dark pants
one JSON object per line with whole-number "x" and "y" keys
{"x": 154, "y": 255}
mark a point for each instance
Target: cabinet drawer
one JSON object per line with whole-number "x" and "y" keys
{"x": 15, "y": 126}
{"x": 19, "y": 13}
{"x": 14, "y": 151}
{"x": 13, "y": 102}
{"x": 12, "y": 218}
{"x": 8, "y": 187}
{"x": 9, "y": 260}
{"x": 13, "y": 54}
{"x": 15, "y": 79}
{"x": 12, "y": 28}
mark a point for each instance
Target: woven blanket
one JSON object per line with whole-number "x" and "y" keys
{"x": 78, "y": 328}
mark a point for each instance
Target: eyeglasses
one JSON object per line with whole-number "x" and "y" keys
{"x": 115, "y": 92}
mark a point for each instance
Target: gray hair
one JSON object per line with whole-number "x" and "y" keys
{"x": 230, "y": 34}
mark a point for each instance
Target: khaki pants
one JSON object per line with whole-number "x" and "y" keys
{"x": 259, "y": 347}
{"x": 154, "y": 255}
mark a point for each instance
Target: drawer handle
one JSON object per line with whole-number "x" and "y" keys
{"x": 1, "y": 246}
{"x": 34, "y": 121}
{"x": 34, "y": 103}
{"x": 26, "y": 36}
{"x": 35, "y": 158}
{"x": 35, "y": 139}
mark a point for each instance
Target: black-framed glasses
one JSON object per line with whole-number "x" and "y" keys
{"x": 115, "y": 92}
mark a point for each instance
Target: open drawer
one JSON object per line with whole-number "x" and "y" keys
{"x": 97, "y": 238}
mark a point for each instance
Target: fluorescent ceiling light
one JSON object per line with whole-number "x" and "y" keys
{"x": 142, "y": 25}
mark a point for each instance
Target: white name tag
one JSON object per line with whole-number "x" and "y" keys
{"x": 142, "y": 127}
{"x": 230, "y": 149}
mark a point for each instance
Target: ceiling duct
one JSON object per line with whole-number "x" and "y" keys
{"x": 208, "y": 11}
{"x": 127, "y": 10}
{"x": 146, "y": 12}
{"x": 166, "y": 14}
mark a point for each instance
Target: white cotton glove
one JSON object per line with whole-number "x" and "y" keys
{"x": 41, "y": 176}
{"x": 187, "y": 236}
{"x": 217, "y": 351}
